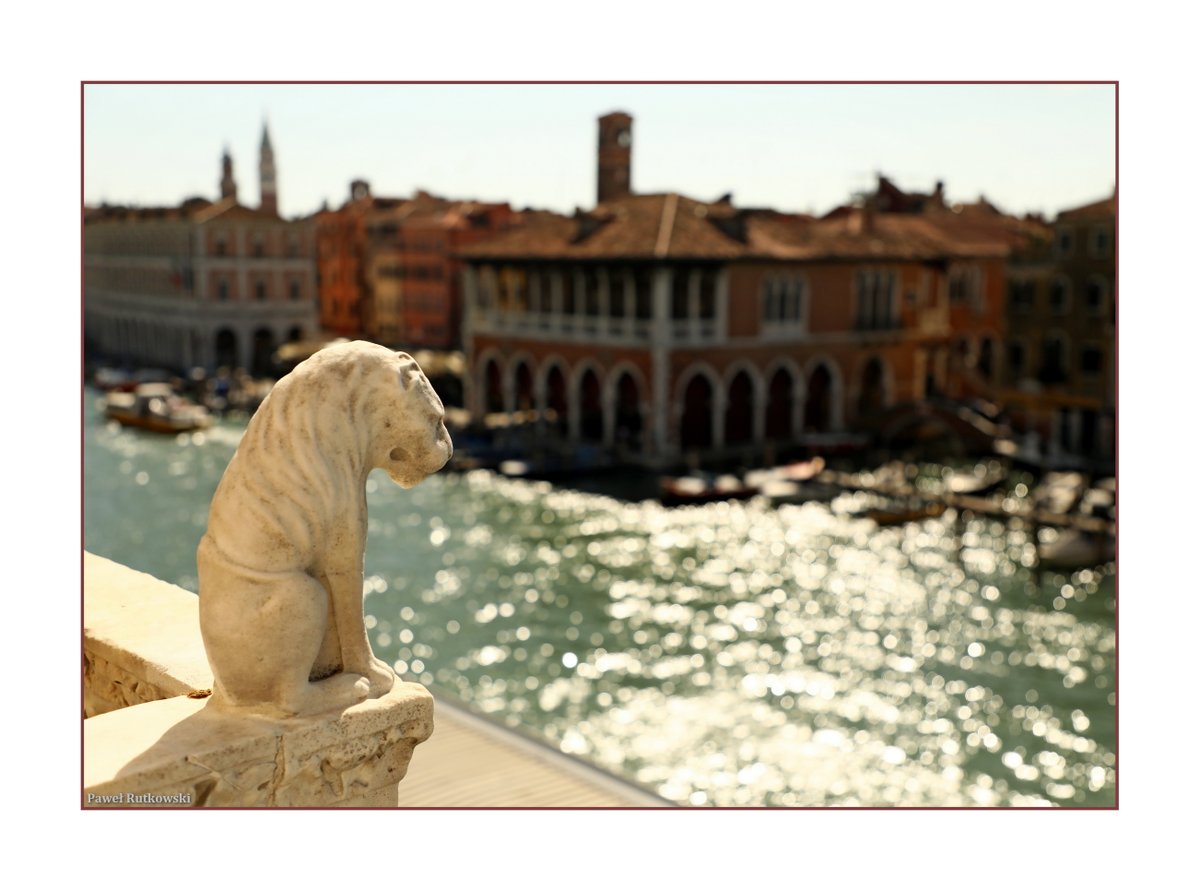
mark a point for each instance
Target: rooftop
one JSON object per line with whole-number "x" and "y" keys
{"x": 674, "y": 226}
{"x": 1104, "y": 209}
{"x": 196, "y": 210}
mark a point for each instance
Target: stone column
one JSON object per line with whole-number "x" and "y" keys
{"x": 761, "y": 390}
{"x": 660, "y": 352}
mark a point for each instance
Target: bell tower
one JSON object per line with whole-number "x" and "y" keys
{"x": 614, "y": 157}
{"x": 268, "y": 199}
{"x": 228, "y": 183}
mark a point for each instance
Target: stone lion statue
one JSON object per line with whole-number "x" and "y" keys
{"x": 281, "y": 565}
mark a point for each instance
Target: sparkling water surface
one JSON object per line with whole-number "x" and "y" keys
{"x": 726, "y": 654}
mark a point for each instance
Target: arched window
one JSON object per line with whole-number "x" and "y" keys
{"x": 739, "y": 410}
{"x": 523, "y": 379}
{"x": 1016, "y": 359}
{"x": 226, "y": 348}
{"x": 493, "y": 388}
{"x": 818, "y": 406}
{"x": 986, "y": 349}
{"x": 556, "y": 397}
{"x": 696, "y": 424}
{"x": 1095, "y": 295}
{"x": 1060, "y": 295}
{"x": 1054, "y": 359}
{"x": 591, "y": 409}
{"x": 264, "y": 349}
{"x": 629, "y": 413}
{"x": 779, "y": 405}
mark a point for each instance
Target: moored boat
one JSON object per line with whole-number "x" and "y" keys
{"x": 983, "y": 479}
{"x": 156, "y": 407}
{"x": 801, "y": 471}
{"x": 1075, "y": 549}
{"x": 898, "y": 516}
{"x": 698, "y": 489}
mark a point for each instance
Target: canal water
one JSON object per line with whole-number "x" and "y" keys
{"x": 727, "y": 654}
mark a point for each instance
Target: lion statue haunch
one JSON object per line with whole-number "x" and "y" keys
{"x": 281, "y": 565}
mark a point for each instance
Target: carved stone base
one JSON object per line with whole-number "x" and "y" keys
{"x": 182, "y": 752}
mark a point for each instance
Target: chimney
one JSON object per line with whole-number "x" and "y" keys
{"x": 614, "y": 157}
{"x": 587, "y": 223}
{"x": 939, "y": 193}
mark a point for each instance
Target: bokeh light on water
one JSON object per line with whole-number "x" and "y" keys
{"x": 729, "y": 654}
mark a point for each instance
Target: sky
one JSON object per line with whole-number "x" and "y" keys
{"x": 794, "y": 147}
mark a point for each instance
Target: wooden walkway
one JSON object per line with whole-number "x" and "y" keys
{"x": 471, "y": 762}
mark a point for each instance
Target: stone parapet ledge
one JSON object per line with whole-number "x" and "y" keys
{"x": 182, "y": 752}
{"x": 141, "y": 638}
{"x": 148, "y": 744}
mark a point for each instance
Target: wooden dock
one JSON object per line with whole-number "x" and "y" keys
{"x": 472, "y": 762}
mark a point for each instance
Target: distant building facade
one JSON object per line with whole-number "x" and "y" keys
{"x": 205, "y": 284}
{"x": 661, "y": 326}
{"x": 1060, "y": 367}
{"x": 413, "y": 277}
{"x": 343, "y": 284}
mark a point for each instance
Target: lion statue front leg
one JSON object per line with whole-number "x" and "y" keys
{"x": 345, "y": 592}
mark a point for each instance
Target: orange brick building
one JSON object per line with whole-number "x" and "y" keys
{"x": 387, "y": 268}
{"x": 413, "y": 274}
{"x": 342, "y": 280}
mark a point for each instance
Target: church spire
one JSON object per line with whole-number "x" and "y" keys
{"x": 268, "y": 199}
{"x": 228, "y": 183}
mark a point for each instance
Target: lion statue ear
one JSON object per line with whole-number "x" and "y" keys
{"x": 407, "y": 371}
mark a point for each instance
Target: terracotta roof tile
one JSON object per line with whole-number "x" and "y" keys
{"x": 672, "y": 226}
{"x": 114, "y": 212}
{"x": 637, "y": 227}
{"x": 426, "y": 209}
{"x": 229, "y": 209}
{"x": 1096, "y": 210}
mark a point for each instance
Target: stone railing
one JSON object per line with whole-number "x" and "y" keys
{"x": 151, "y": 739}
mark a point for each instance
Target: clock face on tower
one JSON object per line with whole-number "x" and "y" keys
{"x": 623, "y": 138}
